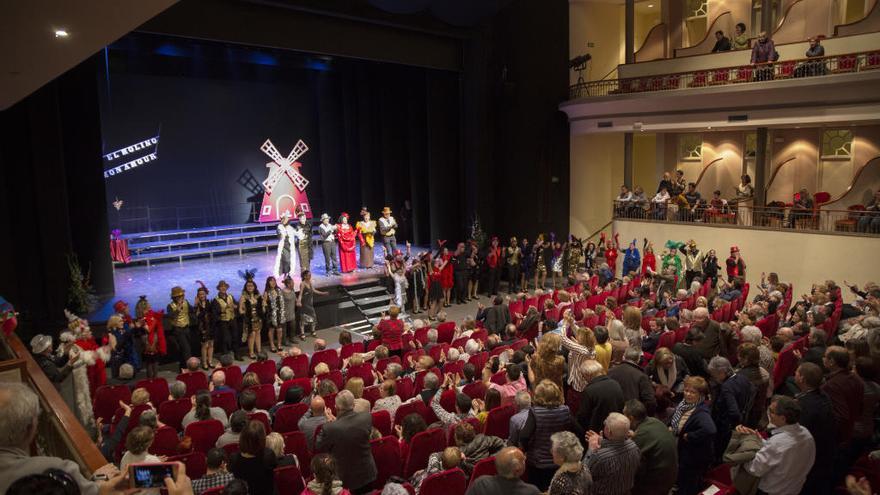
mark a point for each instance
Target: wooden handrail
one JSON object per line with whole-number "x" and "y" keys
{"x": 594, "y": 234}
{"x": 77, "y": 439}
{"x": 609, "y": 73}
{"x": 700, "y": 177}
{"x": 709, "y": 31}
{"x": 852, "y": 184}
{"x": 776, "y": 171}
{"x": 784, "y": 17}
{"x": 853, "y": 23}
{"x": 732, "y": 67}
{"x": 648, "y": 37}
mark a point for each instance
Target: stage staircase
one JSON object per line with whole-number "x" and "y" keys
{"x": 371, "y": 299}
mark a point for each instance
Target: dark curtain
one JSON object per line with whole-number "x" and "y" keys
{"x": 52, "y": 196}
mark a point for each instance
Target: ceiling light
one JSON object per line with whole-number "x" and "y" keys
{"x": 61, "y": 33}
{"x": 650, "y": 5}
{"x": 709, "y": 127}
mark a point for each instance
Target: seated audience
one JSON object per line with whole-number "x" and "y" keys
{"x": 326, "y": 480}
{"x": 510, "y": 464}
{"x": 449, "y": 458}
{"x": 137, "y": 443}
{"x": 275, "y": 443}
{"x": 215, "y": 473}
{"x": 312, "y": 419}
{"x": 203, "y": 411}
{"x": 254, "y": 462}
{"x": 722, "y": 43}
{"x": 237, "y": 421}
{"x": 740, "y": 38}
{"x": 388, "y": 398}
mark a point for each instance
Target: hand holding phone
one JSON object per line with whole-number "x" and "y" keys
{"x": 151, "y": 475}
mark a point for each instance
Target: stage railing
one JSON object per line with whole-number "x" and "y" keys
{"x": 745, "y": 215}
{"x": 724, "y": 76}
{"x": 59, "y": 432}
{"x": 157, "y": 218}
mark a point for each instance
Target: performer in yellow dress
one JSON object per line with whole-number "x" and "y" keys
{"x": 366, "y": 232}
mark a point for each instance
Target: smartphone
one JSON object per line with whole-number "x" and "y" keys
{"x": 151, "y": 475}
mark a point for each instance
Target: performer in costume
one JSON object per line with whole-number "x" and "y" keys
{"x": 493, "y": 265}
{"x": 203, "y": 316}
{"x": 346, "y": 235}
{"x": 670, "y": 258}
{"x": 305, "y": 303}
{"x": 527, "y": 265}
{"x": 288, "y": 293}
{"x": 302, "y": 238}
{"x": 590, "y": 256}
{"x": 558, "y": 261}
{"x": 575, "y": 255}
{"x": 250, "y": 305}
{"x": 649, "y": 260}
{"x": 610, "y": 254}
{"x": 179, "y": 312}
{"x": 89, "y": 369}
{"x": 447, "y": 275}
{"x": 475, "y": 264}
{"x": 327, "y": 231}
{"x": 120, "y": 337}
{"x": 223, "y": 311}
{"x": 388, "y": 228}
{"x": 366, "y": 232}
{"x": 398, "y": 275}
{"x": 693, "y": 262}
{"x": 711, "y": 267}
{"x": 285, "y": 263}
{"x": 417, "y": 282}
{"x": 736, "y": 266}
{"x": 435, "y": 290}
{"x": 631, "y": 259}
{"x": 150, "y": 324}
{"x": 541, "y": 257}
{"x": 273, "y": 302}
{"x": 512, "y": 258}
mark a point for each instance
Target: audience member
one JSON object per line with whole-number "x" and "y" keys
{"x": 692, "y": 425}
{"x": 734, "y": 395}
{"x": 601, "y": 397}
{"x": 612, "y": 458}
{"x": 817, "y": 416}
{"x": 514, "y": 382}
{"x": 254, "y": 462}
{"x": 659, "y": 457}
{"x": 633, "y": 381}
{"x": 523, "y": 401}
{"x": 388, "y": 398}
{"x": 202, "y": 410}
{"x": 326, "y": 480}
{"x": 845, "y": 390}
{"x": 312, "y": 419}
{"x": 722, "y": 43}
{"x": 740, "y": 38}
{"x": 573, "y": 476}
{"x": 237, "y": 421}
{"x": 347, "y": 438}
{"x": 215, "y": 474}
{"x": 475, "y": 446}
{"x": 548, "y": 415}
{"x": 137, "y": 443}
{"x": 510, "y": 464}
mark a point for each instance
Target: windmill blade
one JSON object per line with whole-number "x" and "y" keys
{"x": 297, "y": 151}
{"x": 269, "y": 149}
{"x": 298, "y": 179}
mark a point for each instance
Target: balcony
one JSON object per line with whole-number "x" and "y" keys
{"x": 790, "y": 92}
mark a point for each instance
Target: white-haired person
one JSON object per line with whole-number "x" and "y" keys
{"x": 573, "y": 477}
{"x": 612, "y": 458}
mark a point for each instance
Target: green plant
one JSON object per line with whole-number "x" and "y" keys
{"x": 80, "y": 297}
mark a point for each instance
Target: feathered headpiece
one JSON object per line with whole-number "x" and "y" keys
{"x": 248, "y": 274}
{"x": 202, "y": 287}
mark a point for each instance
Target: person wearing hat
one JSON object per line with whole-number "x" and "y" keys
{"x": 285, "y": 264}
{"x": 366, "y": 233}
{"x": 302, "y": 236}
{"x": 223, "y": 309}
{"x": 179, "y": 311}
{"x": 388, "y": 228}
{"x": 55, "y": 368}
{"x": 327, "y": 231}
{"x": 512, "y": 257}
{"x": 736, "y": 267}
{"x": 346, "y": 235}
{"x": 693, "y": 261}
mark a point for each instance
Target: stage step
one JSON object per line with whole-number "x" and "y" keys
{"x": 171, "y": 245}
{"x": 372, "y": 299}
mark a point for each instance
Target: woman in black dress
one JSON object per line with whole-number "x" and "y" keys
{"x": 204, "y": 325}
{"x": 308, "y": 318}
{"x": 254, "y": 463}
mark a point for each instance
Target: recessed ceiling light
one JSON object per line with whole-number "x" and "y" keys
{"x": 709, "y": 127}
{"x": 61, "y": 33}
{"x": 650, "y": 5}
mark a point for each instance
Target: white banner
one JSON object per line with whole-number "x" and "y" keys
{"x": 128, "y": 150}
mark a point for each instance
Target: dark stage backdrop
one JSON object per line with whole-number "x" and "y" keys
{"x": 378, "y": 134}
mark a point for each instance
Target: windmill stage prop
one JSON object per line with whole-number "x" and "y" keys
{"x": 284, "y": 190}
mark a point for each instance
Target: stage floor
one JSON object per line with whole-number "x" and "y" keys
{"x": 156, "y": 281}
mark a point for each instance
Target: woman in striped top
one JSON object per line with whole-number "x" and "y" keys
{"x": 579, "y": 350}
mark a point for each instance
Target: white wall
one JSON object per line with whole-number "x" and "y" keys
{"x": 799, "y": 258}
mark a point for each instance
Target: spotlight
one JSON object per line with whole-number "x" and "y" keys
{"x": 61, "y": 33}
{"x": 579, "y": 62}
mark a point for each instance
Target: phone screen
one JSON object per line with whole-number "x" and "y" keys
{"x": 151, "y": 475}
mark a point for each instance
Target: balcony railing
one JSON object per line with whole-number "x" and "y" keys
{"x": 744, "y": 215}
{"x": 725, "y": 76}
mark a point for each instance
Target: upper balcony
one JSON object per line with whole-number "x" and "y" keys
{"x": 792, "y": 91}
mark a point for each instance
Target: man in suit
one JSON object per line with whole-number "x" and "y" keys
{"x": 633, "y": 380}
{"x": 817, "y": 416}
{"x": 347, "y": 438}
{"x": 689, "y": 350}
{"x": 498, "y": 316}
{"x": 712, "y": 344}
{"x": 659, "y": 465}
{"x": 601, "y": 396}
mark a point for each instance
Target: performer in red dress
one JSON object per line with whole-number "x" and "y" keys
{"x": 150, "y": 323}
{"x": 648, "y": 260}
{"x": 347, "y": 236}
{"x": 447, "y": 280}
{"x": 610, "y": 252}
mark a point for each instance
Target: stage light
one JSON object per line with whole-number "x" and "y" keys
{"x": 61, "y": 33}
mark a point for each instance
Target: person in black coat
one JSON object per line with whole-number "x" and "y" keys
{"x": 498, "y": 316}
{"x": 347, "y": 438}
{"x": 695, "y": 431}
{"x": 690, "y": 352}
{"x": 601, "y": 396}
{"x": 732, "y": 399}
{"x": 817, "y": 416}
{"x": 722, "y": 43}
{"x": 633, "y": 381}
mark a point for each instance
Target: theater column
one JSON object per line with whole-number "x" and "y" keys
{"x": 759, "y": 181}
{"x": 629, "y": 43}
{"x": 628, "y": 159}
